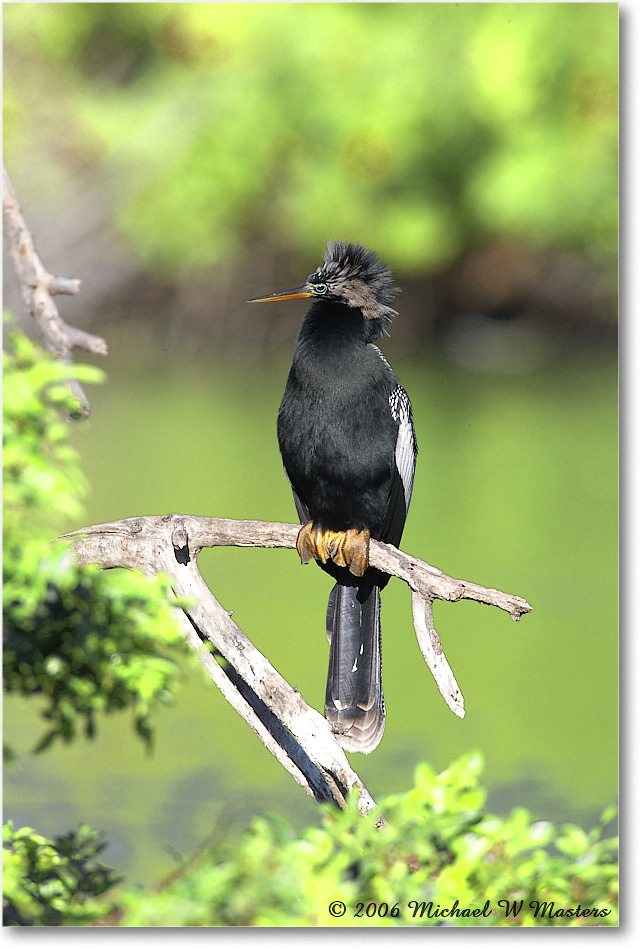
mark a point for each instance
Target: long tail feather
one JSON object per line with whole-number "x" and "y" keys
{"x": 354, "y": 695}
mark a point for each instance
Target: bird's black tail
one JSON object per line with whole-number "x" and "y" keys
{"x": 354, "y": 695}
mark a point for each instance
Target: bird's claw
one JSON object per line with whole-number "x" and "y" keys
{"x": 345, "y": 548}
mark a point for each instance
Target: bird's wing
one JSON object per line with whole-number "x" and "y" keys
{"x": 301, "y": 507}
{"x": 406, "y": 447}
{"x": 403, "y": 473}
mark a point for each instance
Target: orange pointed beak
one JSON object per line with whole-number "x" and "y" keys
{"x": 294, "y": 294}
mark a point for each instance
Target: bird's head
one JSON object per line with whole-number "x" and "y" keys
{"x": 351, "y": 274}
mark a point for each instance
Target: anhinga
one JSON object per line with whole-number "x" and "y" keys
{"x": 348, "y": 445}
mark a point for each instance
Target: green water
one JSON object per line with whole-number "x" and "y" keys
{"x": 516, "y": 488}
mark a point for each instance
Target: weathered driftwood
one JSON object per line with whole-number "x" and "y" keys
{"x": 295, "y": 733}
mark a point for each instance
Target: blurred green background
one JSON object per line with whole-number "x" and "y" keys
{"x": 180, "y": 158}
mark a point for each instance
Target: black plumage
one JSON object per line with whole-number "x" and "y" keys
{"x": 348, "y": 445}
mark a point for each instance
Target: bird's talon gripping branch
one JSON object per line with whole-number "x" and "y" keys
{"x": 305, "y": 543}
{"x": 352, "y": 550}
{"x": 345, "y": 548}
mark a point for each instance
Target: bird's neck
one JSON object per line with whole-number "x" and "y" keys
{"x": 333, "y": 330}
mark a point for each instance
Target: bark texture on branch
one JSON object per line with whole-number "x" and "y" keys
{"x": 296, "y": 734}
{"x": 38, "y": 287}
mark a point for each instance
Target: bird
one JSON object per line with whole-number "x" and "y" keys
{"x": 347, "y": 440}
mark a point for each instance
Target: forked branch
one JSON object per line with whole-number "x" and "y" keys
{"x": 295, "y": 733}
{"x": 38, "y": 288}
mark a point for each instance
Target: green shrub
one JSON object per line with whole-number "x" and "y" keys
{"x": 87, "y": 641}
{"x": 53, "y": 882}
{"x": 439, "y": 860}
{"x": 424, "y": 126}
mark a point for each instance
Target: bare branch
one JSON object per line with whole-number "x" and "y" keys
{"x": 287, "y": 753}
{"x": 420, "y": 576}
{"x": 298, "y": 735}
{"x": 38, "y": 287}
{"x": 306, "y": 746}
{"x": 433, "y": 653}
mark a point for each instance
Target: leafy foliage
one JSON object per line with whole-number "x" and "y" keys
{"x": 53, "y": 882}
{"x": 84, "y": 640}
{"x": 87, "y": 642}
{"x": 437, "y": 858}
{"x": 41, "y": 472}
{"x": 423, "y": 125}
{"x": 437, "y": 851}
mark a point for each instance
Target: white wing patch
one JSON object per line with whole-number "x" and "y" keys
{"x": 406, "y": 447}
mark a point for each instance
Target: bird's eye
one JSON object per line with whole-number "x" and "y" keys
{"x": 320, "y": 288}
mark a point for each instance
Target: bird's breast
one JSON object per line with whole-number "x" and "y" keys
{"x": 337, "y": 439}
